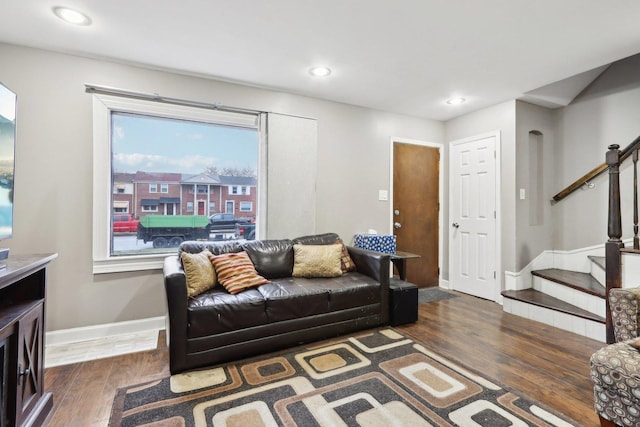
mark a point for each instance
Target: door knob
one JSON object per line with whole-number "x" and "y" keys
{"x": 396, "y": 212}
{"x": 455, "y": 225}
{"x": 397, "y": 225}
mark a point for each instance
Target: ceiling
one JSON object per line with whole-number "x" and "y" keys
{"x": 403, "y": 56}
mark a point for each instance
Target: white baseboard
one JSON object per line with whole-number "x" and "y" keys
{"x": 87, "y": 333}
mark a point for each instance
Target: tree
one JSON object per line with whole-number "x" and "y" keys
{"x": 246, "y": 171}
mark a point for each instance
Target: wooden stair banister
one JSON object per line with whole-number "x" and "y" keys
{"x": 614, "y": 231}
{"x": 614, "y": 245}
{"x": 597, "y": 171}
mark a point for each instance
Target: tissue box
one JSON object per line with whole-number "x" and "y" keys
{"x": 375, "y": 242}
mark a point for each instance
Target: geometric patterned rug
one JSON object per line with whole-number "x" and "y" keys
{"x": 374, "y": 378}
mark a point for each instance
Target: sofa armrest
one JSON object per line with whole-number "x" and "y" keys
{"x": 175, "y": 284}
{"x": 373, "y": 264}
{"x": 625, "y": 312}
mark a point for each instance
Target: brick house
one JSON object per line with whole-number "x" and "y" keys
{"x": 145, "y": 193}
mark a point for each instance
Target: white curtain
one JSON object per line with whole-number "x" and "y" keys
{"x": 291, "y": 165}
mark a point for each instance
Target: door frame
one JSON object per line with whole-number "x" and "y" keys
{"x": 440, "y": 148}
{"x": 498, "y": 207}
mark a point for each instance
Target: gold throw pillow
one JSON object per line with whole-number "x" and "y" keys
{"x": 317, "y": 260}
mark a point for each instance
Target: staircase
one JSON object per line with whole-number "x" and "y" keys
{"x": 569, "y": 300}
{"x": 575, "y": 301}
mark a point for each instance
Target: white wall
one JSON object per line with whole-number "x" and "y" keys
{"x": 607, "y": 112}
{"x": 54, "y": 171}
{"x": 534, "y": 238}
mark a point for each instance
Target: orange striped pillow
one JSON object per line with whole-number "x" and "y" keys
{"x": 236, "y": 272}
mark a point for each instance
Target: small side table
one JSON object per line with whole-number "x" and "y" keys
{"x": 403, "y": 302}
{"x": 399, "y": 260}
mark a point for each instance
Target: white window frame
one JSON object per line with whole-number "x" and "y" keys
{"x": 164, "y": 187}
{"x": 246, "y": 210}
{"x": 153, "y": 188}
{"x": 103, "y": 106}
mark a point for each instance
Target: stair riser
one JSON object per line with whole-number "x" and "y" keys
{"x": 598, "y": 273}
{"x": 575, "y": 324}
{"x": 630, "y": 271}
{"x": 590, "y": 303}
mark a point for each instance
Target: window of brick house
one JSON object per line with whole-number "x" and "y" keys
{"x": 167, "y": 147}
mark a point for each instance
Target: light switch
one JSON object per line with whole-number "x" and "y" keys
{"x": 383, "y": 195}
{"x": 522, "y": 194}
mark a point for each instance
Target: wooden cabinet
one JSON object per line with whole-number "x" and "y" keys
{"x": 22, "y": 313}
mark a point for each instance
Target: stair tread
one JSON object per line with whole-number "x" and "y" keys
{"x": 540, "y": 299}
{"x": 600, "y": 261}
{"x": 574, "y": 279}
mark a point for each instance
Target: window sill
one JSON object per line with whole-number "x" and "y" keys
{"x": 129, "y": 263}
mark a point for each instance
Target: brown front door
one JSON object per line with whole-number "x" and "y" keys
{"x": 415, "y": 209}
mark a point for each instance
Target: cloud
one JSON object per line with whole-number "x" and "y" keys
{"x": 118, "y": 133}
{"x": 132, "y": 162}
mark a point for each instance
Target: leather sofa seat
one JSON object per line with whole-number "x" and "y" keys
{"x": 218, "y": 311}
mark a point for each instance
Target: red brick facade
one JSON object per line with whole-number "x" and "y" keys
{"x": 145, "y": 193}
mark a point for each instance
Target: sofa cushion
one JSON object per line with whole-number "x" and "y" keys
{"x": 199, "y": 273}
{"x": 216, "y": 311}
{"x": 271, "y": 258}
{"x": 350, "y": 290}
{"x": 317, "y": 260}
{"x": 293, "y": 298}
{"x": 236, "y": 272}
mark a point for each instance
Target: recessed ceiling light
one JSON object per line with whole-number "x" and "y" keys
{"x": 455, "y": 101}
{"x": 320, "y": 71}
{"x": 71, "y": 16}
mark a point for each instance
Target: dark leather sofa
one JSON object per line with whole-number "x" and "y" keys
{"x": 216, "y": 327}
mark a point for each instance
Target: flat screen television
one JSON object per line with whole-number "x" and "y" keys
{"x": 8, "y": 101}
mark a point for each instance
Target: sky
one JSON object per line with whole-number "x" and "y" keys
{"x": 152, "y": 144}
{"x": 7, "y": 123}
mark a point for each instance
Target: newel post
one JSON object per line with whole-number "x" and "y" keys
{"x": 614, "y": 244}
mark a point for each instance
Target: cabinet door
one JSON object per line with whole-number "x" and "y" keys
{"x": 30, "y": 378}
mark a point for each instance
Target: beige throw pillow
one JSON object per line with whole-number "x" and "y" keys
{"x": 317, "y": 260}
{"x": 199, "y": 272}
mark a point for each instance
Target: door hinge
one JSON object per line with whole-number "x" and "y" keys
{"x": 494, "y": 214}
{"x": 494, "y": 274}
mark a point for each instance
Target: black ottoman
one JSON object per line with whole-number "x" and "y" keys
{"x": 403, "y": 302}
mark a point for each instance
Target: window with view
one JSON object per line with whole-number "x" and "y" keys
{"x": 179, "y": 170}
{"x": 175, "y": 163}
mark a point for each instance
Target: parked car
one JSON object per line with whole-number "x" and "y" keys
{"x": 124, "y": 223}
{"x": 226, "y": 221}
{"x": 245, "y": 231}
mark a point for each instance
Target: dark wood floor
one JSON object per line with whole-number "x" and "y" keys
{"x": 548, "y": 364}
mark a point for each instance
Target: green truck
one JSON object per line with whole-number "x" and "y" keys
{"x": 169, "y": 231}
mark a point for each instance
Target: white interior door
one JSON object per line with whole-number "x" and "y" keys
{"x": 472, "y": 238}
